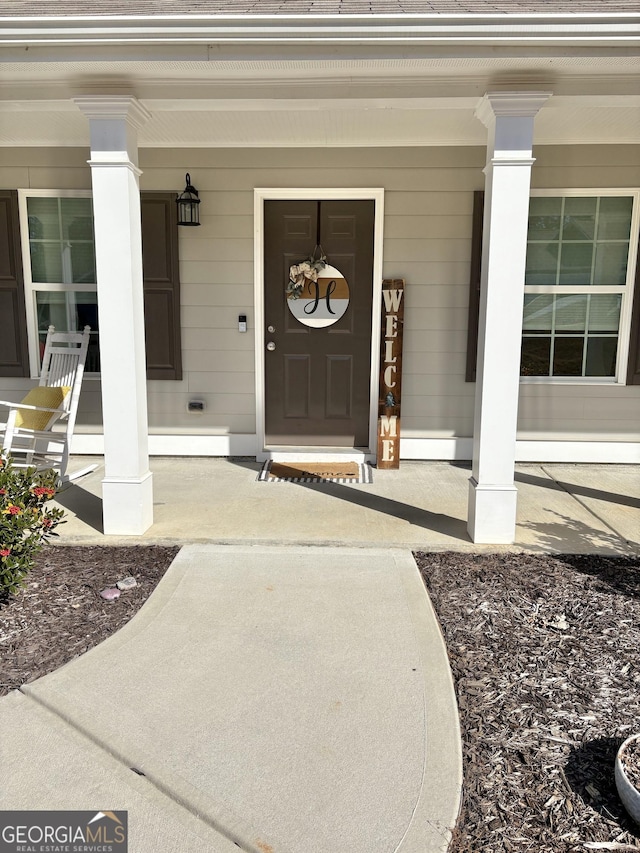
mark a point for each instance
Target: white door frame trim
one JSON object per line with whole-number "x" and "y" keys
{"x": 260, "y": 194}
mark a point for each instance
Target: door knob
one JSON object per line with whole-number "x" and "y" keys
{"x": 271, "y": 346}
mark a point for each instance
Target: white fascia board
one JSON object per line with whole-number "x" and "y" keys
{"x": 558, "y": 29}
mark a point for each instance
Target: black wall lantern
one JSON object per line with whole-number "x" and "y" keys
{"x": 188, "y": 205}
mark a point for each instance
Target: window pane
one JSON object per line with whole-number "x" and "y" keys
{"x": 604, "y": 312}
{"x": 46, "y": 263}
{"x": 77, "y": 219}
{"x": 579, "y": 219}
{"x": 571, "y": 313}
{"x": 567, "y": 356}
{"x": 544, "y": 218}
{"x": 536, "y": 353}
{"x": 61, "y": 240}
{"x": 601, "y": 356}
{"x": 538, "y": 313}
{"x": 70, "y": 312}
{"x": 86, "y": 311}
{"x": 575, "y": 263}
{"x": 44, "y": 218}
{"x": 542, "y": 263}
{"x": 611, "y": 263}
{"x": 82, "y": 258}
{"x": 52, "y": 311}
{"x": 614, "y": 220}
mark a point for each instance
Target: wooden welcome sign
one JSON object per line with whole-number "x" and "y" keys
{"x": 390, "y": 373}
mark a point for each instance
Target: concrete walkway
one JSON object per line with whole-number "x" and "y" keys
{"x": 268, "y": 699}
{"x": 561, "y": 508}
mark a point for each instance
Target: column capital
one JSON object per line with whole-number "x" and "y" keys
{"x": 115, "y": 107}
{"x": 496, "y": 105}
{"x": 114, "y": 121}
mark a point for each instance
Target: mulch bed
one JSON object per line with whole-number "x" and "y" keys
{"x": 59, "y": 614}
{"x": 544, "y": 653}
{"x": 543, "y": 649}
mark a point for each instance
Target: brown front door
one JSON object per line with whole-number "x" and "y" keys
{"x": 318, "y": 371}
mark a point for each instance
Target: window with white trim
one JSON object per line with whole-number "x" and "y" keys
{"x": 579, "y": 285}
{"x": 59, "y": 268}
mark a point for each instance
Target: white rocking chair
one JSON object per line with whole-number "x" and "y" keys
{"x": 29, "y": 434}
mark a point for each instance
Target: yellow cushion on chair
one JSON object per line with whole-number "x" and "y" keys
{"x": 50, "y": 398}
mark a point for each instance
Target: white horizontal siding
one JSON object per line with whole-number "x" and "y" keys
{"x": 12, "y": 178}
{"x": 434, "y": 203}
{"x": 315, "y": 175}
{"x": 437, "y": 296}
{"x": 219, "y": 341}
{"x": 434, "y": 385}
{"x": 222, "y": 249}
{"x": 217, "y": 203}
{"x": 424, "y": 320}
{"x": 579, "y": 408}
{"x": 235, "y": 361}
{"x": 182, "y": 421}
{"x": 584, "y": 166}
{"x": 53, "y": 177}
{"x": 428, "y": 204}
{"x": 439, "y": 341}
{"x": 216, "y": 272}
{"x": 566, "y": 430}
{"x": 427, "y": 273}
{"x": 223, "y": 383}
{"x": 587, "y": 157}
{"x": 215, "y": 318}
{"x": 226, "y": 226}
{"x": 210, "y": 293}
{"x": 446, "y": 250}
{"x": 441, "y": 423}
{"x": 274, "y": 158}
{"x": 436, "y": 405}
{"x": 576, "y": 389}
{"x": 219, "y": 404}
{"x": 398, "y": 227}
{"x": 435, "y": 363}
{"x": 570, "y": 175}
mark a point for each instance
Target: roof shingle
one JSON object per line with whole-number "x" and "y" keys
{"x": 150, "y": 8}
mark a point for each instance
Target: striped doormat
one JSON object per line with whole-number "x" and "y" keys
{"x": 315, "y": 472}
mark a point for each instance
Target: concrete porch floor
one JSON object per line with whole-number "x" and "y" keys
{"x": 423, "y": 505}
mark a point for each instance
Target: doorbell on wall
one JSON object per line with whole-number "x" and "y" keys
{"x": 242, "y": 323}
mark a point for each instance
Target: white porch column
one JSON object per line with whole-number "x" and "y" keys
{"x": 127, "y": 492}
{"x": 492, "y": 494}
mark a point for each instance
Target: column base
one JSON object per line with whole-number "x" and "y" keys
{"x": 492, "y": 514}
{"x": 127, "y": 505}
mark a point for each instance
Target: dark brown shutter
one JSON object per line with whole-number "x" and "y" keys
{"x": 161, "y": 285}
{"x": 474, "y": 285}
{"x": 14, "y": 353}
{"x": 633, "y": 373}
